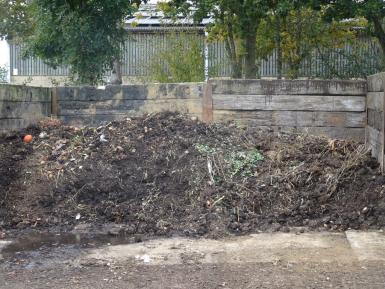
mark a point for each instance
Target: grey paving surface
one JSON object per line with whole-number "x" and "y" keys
{"x": 310, "y": 260}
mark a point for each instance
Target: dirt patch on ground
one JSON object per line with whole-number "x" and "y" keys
{"x": 166, "y": 173}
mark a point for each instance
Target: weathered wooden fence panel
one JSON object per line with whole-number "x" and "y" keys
{"x": 21, "y": 106}
{"x": 375, "y": 111}
{"x": 336, "y": 109}
{"x": 89, "y": 105}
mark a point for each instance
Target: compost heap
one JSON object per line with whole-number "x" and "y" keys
{"x": 168, "y": 174}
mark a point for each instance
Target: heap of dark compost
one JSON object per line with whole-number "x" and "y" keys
{"x": 167, "y": 174}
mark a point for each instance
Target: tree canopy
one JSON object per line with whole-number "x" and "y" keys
{"x": 372, "y": 10}
{"x": 15, "y": 20}
{"x": 252, "y": 29}
{"x": 85, "y": 35}
{"x": 235, "y": 21}
{"x": 88, "y": 35}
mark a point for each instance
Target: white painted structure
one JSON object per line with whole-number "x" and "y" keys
{"x": 5, "y": 57}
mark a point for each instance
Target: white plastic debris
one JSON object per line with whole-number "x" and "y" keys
{"x": 210, "y": 169}
{"x": 144, "y": 258}
{"x": 43, "y": 134}
{"x": 77, "y": 216}
{"x": 103, "y": 138}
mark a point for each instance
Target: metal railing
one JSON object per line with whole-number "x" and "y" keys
{"x": 143, "y": 45}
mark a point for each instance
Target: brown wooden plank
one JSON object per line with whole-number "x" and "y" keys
{"x": 376, "y": 82}
{"x": 33, "y": 110}
{"x": 294, "y": 118}
{"x": 290, "y": 102}
{"x": 54, "y": 102}
{"x": 132, "y": 92}
{"x": 355, "y": 134}
{"x": 207, "y": 103}
{"x": 374, "y": 142}
{"x": 146, "y": 106}
{"x": 375, "y": 119}
{"x": 375, "y": 100}
{"x": 184, "y": 91}
{"x": 19, "y": 93}
{"x": 382, "y": 164}
{"x": 291, "y": 87}
{"x": 15, "y": 123}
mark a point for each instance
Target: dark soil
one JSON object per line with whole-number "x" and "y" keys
{"x": 168, "y": 174}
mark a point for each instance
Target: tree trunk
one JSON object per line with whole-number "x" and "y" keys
{"x": 236, "y": 69}
{"x": 297, "y": 53}
{"x": 379, "y": 32}
{"x": 250, "y": 54}
{"x": 235, "y": 61}
{"x": 116, "y": 76}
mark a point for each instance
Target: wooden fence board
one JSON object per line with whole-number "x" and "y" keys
{"x": 290, "y": 102}
{"x": 11, "y": 109}
{"x": 290, "y": 87}
{"x": 374, "y": 139}
{"x": 24, "y": 93}
{"x": 375, "y": 100}
{"x": 14, "y": 123}
{"x": 375, "y": 126}
{"x": 355, "y": 134}
{"x": 294, "y": 118}
{"x": 376, "y": 82}
{"x": 375, "y": 119}
{"x": 131, "y": 92}
{"x": 182, "y": 105}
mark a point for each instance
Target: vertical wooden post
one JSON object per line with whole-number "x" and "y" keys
{"x": 54, "y": 102}
{"x": 367, "y": 144}
{"x": 207, "y": 103}
{"x": 383, "y": 129}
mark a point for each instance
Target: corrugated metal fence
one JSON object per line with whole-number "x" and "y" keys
{"x": 141, "y": 47}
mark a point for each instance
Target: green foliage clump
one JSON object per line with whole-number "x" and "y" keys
{"x": 3, "y": 74}
{"x": 372, "y": 10}
{"x": 15, "y": 19}
{"x": 243, "y": 162}
{"x": 360, "y": 59}
{"x": 86, "y": 36}
{"x": 252, "y": 29}
{"x": 182, "y": 60}
{"x": 229, "y": 163}
{"x": 204, "y": 149}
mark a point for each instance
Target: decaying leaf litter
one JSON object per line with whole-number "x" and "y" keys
{"x": 167, "y": 174}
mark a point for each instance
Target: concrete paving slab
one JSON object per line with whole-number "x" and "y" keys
{"x": 367, "y": 246}
{"x": 258, "y": 248}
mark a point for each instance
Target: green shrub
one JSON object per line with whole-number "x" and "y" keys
{"x": 243, "y": 162}
{"x": 182, "y": 60}
{"x": 3, "y": 74}
{"x": 229, "y": 163}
